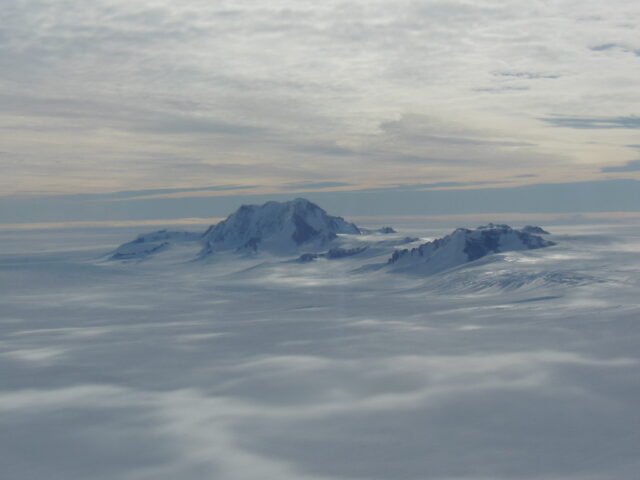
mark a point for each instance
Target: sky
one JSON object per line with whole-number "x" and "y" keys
{"x": 167, "y": 100}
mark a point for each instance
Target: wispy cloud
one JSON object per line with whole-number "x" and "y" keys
{"x": 435, "y": 185}
{"x": 316, "y": 185}
{"x": 140, "y": 194}
{"x": 334, "y": 150}
{"x": 615, "y": 46}
{"x": 527, "y": 75}
{"x": 192, "y": 125}
{"x": 617, "y": 195}
{"x": 595, "y": 123}
{"x": 630, "y": 166}
{"x": 504, "y": 89}
{"x": 603, "y": 47}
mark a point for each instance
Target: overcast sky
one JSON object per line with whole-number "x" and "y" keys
{"x": 287, "y": 96}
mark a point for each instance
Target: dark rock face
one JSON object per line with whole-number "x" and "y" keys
{"x": 421, "y": 250}
{"x": 397, "y": 254}
{"x": 487, "y": 242}
{"x": 303, "y": 231}
{"x": 491, "y": 239}
{"x": 250, "y": 245}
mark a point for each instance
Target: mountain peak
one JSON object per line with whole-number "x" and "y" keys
{"x": 279, "y": 227}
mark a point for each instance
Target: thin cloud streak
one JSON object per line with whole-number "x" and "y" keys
{"x": 630, "y": 122}
{"x": 630, "y": 166}
{"x": 318, "y": 185}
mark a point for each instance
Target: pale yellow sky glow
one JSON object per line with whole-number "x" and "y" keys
{"x": 289, "y": 96}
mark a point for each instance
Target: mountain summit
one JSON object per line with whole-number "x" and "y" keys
{"x": 465, "y": 245}
{"x": 278, "y": 227}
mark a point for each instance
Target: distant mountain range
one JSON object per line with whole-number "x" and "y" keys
{"x": 299, "y": 228}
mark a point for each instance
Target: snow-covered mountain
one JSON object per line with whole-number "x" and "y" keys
{"x": 299, "y": 227}
{"x": 277, "y": 227}
{"x": 462, "y": 246}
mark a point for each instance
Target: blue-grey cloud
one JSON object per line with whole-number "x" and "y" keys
{"x": 604, "y": 46}
{"x": 333, "y": 150}
{"x": 141, "y": 194}
{"x": 504, "y": 89}
{"x": 417, "y": 128}
{"x": 428, "y": 186}
{"x": 200, "y": 125}
{"x": 461, "y": 140}
{"x": 597, "y": 196}
{"x": 525, "y": 175}
{"x": 165, "y": 191}
{"x": 594, "y": 123}
{"x": 418, "y": 159}
{"x": 528, "y": 75}
{"x": 615, "y": 46}
{"x": 630, "y": 166}
{"x": 314, "y": 185}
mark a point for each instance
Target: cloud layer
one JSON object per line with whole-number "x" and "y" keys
{"x": 109, "y": 95}
{"x": 523, "y": 366}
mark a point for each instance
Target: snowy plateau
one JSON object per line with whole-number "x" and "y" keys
{"x": 289, "y": 344}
